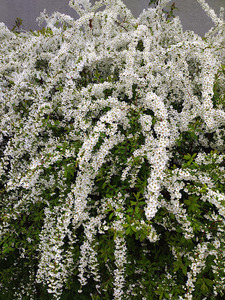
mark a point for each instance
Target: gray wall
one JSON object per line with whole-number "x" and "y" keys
{"x": 190, "y": 12}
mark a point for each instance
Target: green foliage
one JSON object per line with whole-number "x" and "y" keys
{"x": 219, "y": 88}
{"x": 18, "y": 24}
{"x": 169, "y": 14}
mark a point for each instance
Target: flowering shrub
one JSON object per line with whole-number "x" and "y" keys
{"x": 112, "y": 157}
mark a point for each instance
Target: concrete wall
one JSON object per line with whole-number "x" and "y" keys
{"x": 190, "y": 12}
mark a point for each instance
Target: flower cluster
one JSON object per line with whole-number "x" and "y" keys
{"x": 112, "y": 156}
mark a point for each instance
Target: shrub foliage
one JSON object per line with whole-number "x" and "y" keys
{"x": 112, "y": 158}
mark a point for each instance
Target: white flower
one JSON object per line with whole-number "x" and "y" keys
{"x": 91, "y": 116}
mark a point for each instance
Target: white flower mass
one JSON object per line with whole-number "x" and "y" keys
{"x": 112, "y": 132}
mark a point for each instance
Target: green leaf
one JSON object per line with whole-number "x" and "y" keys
{"x": 125, "y": 225}
{"x": 128, "y": 231}
{"x": 120, "y": 233}
{"x": 128, "y": 217}
{"x": 137, "y": 196}
{"x": 184, "y": 269}
{"x": 195, "y": 164}
{"x": 104, "y": 185}
{"x": 134, "y": 228}
{"x": 111, "y": 215}
{"x": 187, "y": 157}
{"x": 209, "y": 282}
{"x": 142, "y": 237}
{"x": 5, "y": 245}
{"x": 153, "y": 2}
{"x": 204, "y": 287}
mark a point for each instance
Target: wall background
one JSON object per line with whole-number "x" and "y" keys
{"x": 190, "y": 12}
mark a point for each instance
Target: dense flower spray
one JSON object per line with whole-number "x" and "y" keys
{"x": 112, "y": 140}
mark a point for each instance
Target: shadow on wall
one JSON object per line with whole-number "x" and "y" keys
{"x": 191, "y": 14}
